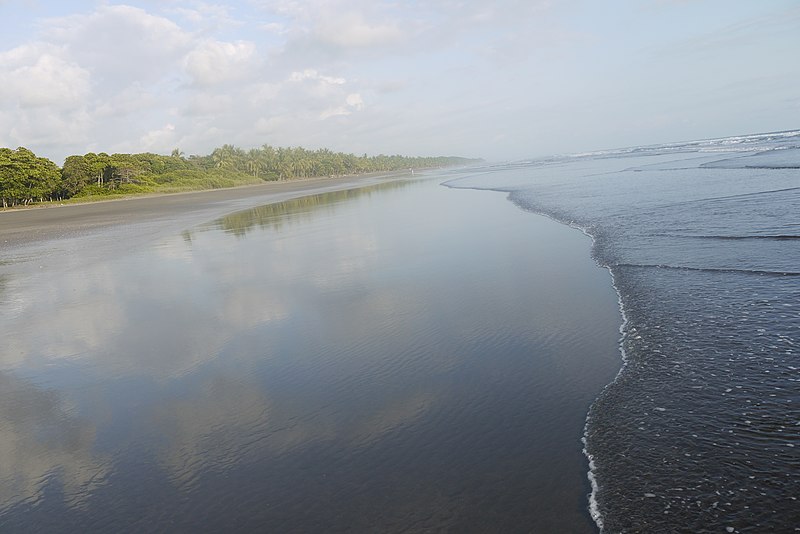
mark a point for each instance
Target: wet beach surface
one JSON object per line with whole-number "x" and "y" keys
{"x": 399, "y": 357}
{"x": 53, "y": 221}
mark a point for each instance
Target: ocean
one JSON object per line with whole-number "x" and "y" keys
{"x": 700, "y": 430}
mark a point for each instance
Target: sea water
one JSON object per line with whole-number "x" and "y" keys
{"x": 700, "y": 430}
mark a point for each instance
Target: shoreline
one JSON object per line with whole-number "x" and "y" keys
{"x": 592, "y": 508}
{"x": 20, "y": 226}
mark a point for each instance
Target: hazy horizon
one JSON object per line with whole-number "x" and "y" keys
{"x": 506, "y": 81}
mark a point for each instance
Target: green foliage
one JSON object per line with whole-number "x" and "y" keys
{"x": 94, "y": 190}
{"x": 285, "y": 163}
{"x": 199, "y": 179}
{"x": 25, "y": 178}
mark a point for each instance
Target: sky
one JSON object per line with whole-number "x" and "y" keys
{"x": 502, "y": 80}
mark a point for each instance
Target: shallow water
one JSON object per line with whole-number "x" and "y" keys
{"x": 399, "y": 357}
{"x": 700, "y": 432}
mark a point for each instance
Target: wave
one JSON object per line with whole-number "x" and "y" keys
{"x": 731, "y": 197}
{"x": 731, "y": 163}
{"x": 781, "y": 136}
{"x": 761, "y": 142}
{"x": 708, "y": 269}
{"x": 784, "y": 156}
{"x": 775, "y": 237}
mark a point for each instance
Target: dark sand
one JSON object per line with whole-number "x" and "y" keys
{"x": 21, "y": 226}
{"x": 413, "y": 358}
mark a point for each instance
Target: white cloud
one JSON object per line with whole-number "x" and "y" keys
{"x": 311, "y": 90}
{"x": 262, "y": 93}
{"x": 160, "y": 140}
{"x": 355, "y": 101}
{"x": 269, "y": 126}
{"x": 352, "y": 30}
{"x": 275, "y": 27}
{"x": 207, "y": 16}
{"x": 311, "y": 74}
{"x": 43, "y": 97}
{"x": 338, "y": 111}
{"x": 215, "y": 62}
{"x": 77, "y": 85}
{"x": 120, "y": 44}
{"x": 288, "y": 8}
{"x": 130, "y": 101}
{"x": 207, "y": 105}
{"x": 35, "y": 75}
{"x": 41, "y": 128}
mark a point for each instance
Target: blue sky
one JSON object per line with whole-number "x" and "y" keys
{"x": 501, "y": 80}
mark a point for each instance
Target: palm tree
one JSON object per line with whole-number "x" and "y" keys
{"x": 254, "y": 161}
{"x": 224, "y": 156}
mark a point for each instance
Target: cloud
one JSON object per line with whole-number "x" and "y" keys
{"x": 159, "y": 140}
{"x": 112, "y": 78}
{"x": 44, "y": 97}
{"x": 275, "y": 27}
{"x": 35, "y": 75}
{"x": 353, "y": 102}
{"x": 207, "y": 104}
{"x": 338, "y": 111}
{"x": 120, "y": 44}
{"x": 315, "y": 92}
{"x": 76, "y": 85}
{"x": 131, "y": 100}
{"x": 352, "y": 30}
{"x": 216, "y": 62}
{"x": 311, "y": 74}
{"x": 262, "y": 93}
{"x": 208, "y": 17}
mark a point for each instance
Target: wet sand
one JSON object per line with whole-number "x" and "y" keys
{"x": 405, "y": 357}
{"x": 21, "y": 226}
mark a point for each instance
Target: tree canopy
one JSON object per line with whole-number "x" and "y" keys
{"x": 26, "y": 178}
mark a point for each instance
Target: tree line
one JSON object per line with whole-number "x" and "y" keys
{"x": 26, "y": 178}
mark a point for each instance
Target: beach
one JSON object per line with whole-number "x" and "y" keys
{"x": 395, "y": 356}
{"x": 399, "y": 267}
{"x": 23, "y": 226}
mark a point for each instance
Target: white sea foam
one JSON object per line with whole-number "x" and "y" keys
{"x": 594, "y": 508}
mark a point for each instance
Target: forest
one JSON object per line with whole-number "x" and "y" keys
{"x": 26, "y": 178}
